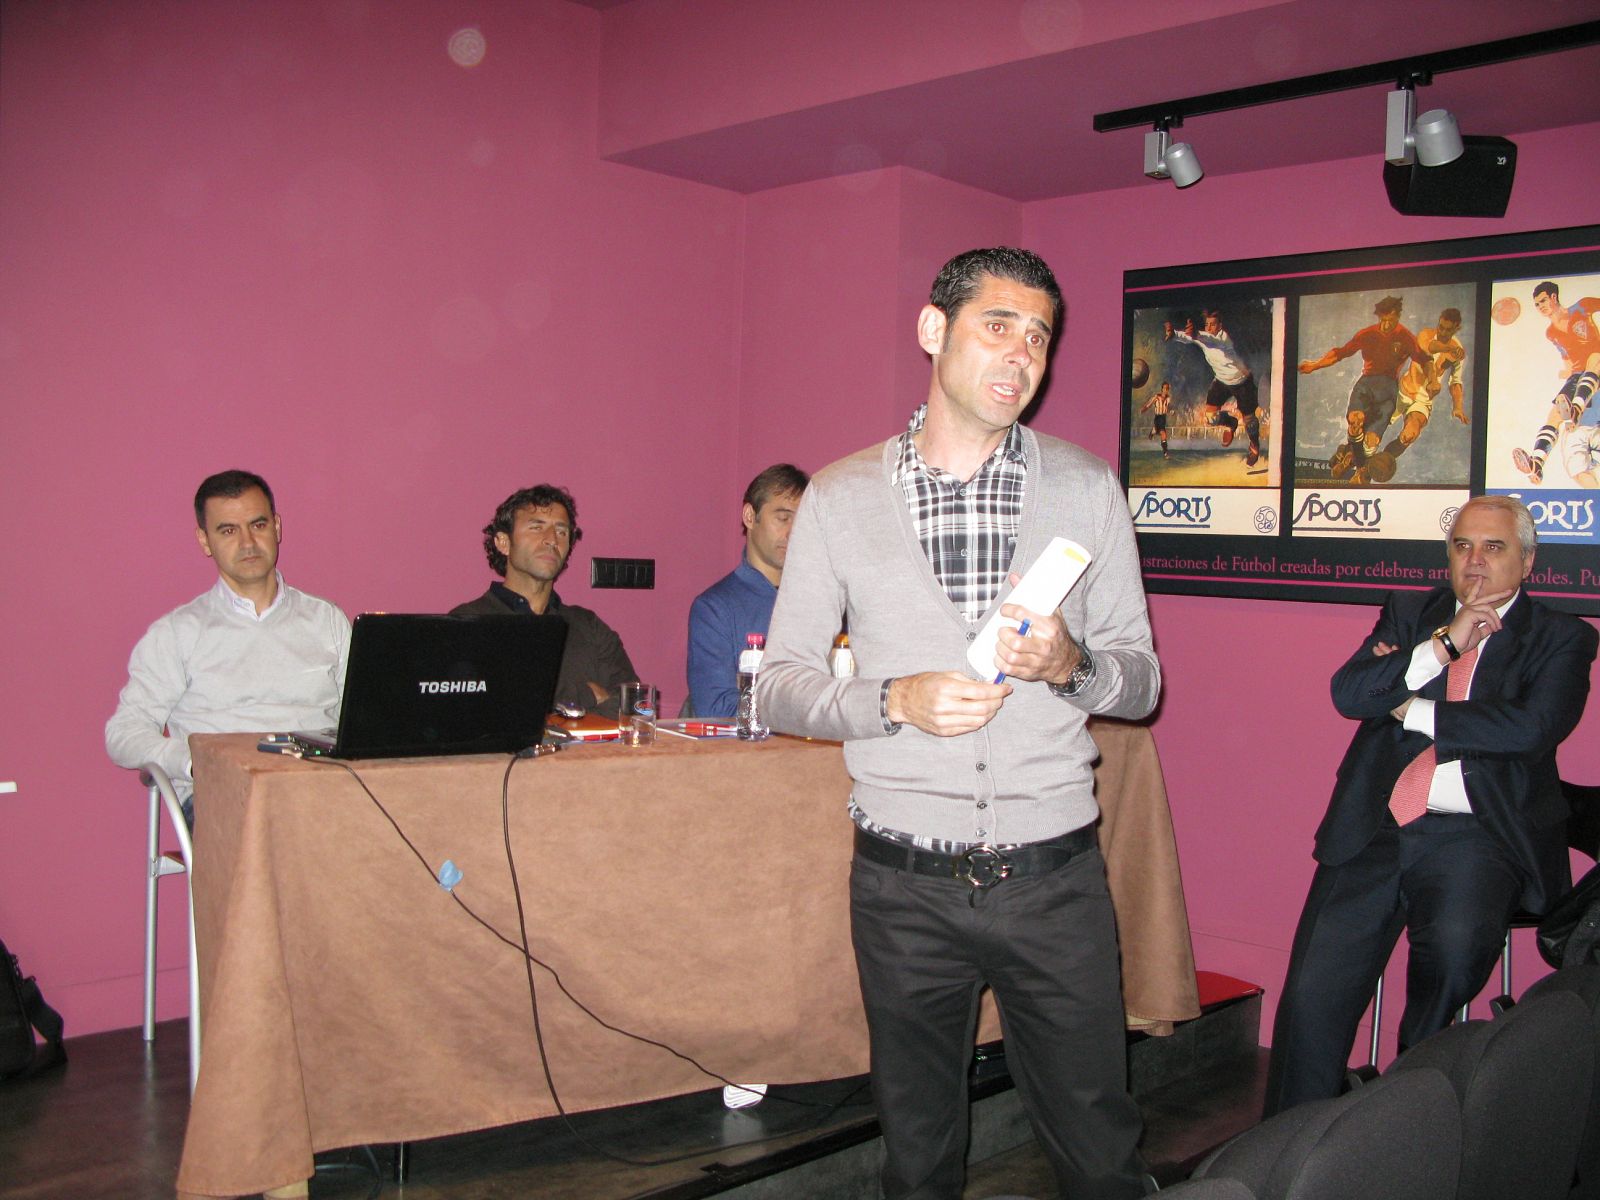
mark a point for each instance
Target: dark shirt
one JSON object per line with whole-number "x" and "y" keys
{"x": 594, "y": 652}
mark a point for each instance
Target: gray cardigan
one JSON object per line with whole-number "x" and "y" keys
{"x": 1024, "y": 776}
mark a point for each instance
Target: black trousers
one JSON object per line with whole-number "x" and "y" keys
{"x": 1047, "y": 946}
{"x": 1449, "y": 884}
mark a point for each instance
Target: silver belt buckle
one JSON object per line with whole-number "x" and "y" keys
{"x": 982, "y": 867}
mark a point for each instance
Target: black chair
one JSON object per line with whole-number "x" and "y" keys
{"x": 1523, "y": 1084}
{"x": 1583, "y": 835}
{"x": 1209, "y": 1189}
{"x": 1398, "y": 1138}
{"x": 1583, "y": 981}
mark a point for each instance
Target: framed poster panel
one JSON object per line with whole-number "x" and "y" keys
{"x": 1305, "y": 427}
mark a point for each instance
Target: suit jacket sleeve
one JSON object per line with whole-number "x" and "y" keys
{"x": 1532, "y": 720}
{"x": 1370, "y": 685}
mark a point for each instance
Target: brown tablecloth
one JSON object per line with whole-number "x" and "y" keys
{"x": 694, "y": 894}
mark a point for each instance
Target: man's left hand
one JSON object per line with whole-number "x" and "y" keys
{"x": 1047, "y": 652}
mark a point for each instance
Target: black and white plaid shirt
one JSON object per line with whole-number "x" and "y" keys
{"x": 968, "y": 530}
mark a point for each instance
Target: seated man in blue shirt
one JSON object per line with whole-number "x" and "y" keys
{"x": 741, "y": 602}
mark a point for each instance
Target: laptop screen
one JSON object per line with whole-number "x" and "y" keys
{"x": 426, "y": 685}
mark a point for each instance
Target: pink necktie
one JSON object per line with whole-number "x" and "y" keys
{"x": 1409, "y": 800}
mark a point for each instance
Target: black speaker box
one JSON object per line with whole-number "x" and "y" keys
{"x": 1478, "y": 184}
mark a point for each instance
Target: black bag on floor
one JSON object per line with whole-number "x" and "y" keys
{"x": 22, "y": 1010}
{"x": 1570, "y": 932}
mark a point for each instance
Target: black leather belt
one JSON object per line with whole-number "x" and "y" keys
{"x": 982, "y": 866}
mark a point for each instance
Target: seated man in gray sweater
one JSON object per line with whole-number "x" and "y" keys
{"x": 976, "y": 858}
{"x": 252, "y": 654}
{"x": 528, "y": 543}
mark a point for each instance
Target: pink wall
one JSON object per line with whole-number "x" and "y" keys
{"x": 304, "y": 241}
{"x": 818, "y": 332}
{"x": 835, "y": 273}
{"x": 1250, "y": 763}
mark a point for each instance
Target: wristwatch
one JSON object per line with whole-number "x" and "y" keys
{"x": 1080, "y": 677}
{"x": 1442, "y": 636}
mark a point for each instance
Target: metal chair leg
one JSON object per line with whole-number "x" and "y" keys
{"x": 152, "y": 877}
{"x": 1377, "y": 1018}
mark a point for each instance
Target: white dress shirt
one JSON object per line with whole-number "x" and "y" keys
{"x": 214, "y": 665}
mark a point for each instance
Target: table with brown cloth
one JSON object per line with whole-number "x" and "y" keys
{"x": 692, "y": 893}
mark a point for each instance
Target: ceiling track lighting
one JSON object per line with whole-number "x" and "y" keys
{"x": 1166, "y": 159}
{"x": 1431, "y": 140}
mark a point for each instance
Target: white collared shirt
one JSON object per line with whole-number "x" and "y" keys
{"x": 215, "y": 665}
{"x": 1448, "y": 792}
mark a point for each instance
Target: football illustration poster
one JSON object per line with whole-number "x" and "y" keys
{"x": 1305, "y": 427}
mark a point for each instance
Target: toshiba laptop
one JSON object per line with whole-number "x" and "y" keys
{"x": 426, "y": 685}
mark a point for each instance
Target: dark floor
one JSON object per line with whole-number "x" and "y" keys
{"x": 111, "y": 1125}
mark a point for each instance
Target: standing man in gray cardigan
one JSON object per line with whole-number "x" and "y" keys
{"x": 976, "y": 860}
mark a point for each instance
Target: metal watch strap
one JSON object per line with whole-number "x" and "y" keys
{"x": 1080, "y": 676}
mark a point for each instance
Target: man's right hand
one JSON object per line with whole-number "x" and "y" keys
{"x": 1477, "y": 618}
{"x": 945, "y": 703}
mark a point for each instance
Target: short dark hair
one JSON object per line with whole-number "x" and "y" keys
{"x": 539, "y": 496}
{"x": 1389, "y": 304}
{"x": 1547, "y": 286}
{"x": 232, "y": 485}
{"x": 1453, "y": 315}
{"x": 778, "y": 480}
{"x": 959, "y": 279}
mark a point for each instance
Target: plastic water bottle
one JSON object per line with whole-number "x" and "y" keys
{"x": 841, "y": 660}
{"x": 748, "y": 724}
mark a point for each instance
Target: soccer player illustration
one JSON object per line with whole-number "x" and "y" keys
{"x": 1419, "y": 387}
{"x": 1204, "y": 369}
{"x": 1384, "y": 346}
{"x": 1573, "y": 332}
{"x": 1581, "y": 454}
{"x": 1232, "y": 380}
{"x": 1161, "y": 401}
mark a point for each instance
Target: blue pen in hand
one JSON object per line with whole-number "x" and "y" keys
{"x": 1022, "y": 631}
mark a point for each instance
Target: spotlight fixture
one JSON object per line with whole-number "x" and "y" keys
{"x": 1431, "y": 169}
{"x": 1166, "y": 159}
{"x": 1433, "y": 139}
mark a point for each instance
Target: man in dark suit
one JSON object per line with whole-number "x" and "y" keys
{"x": 1447, "y": 813}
